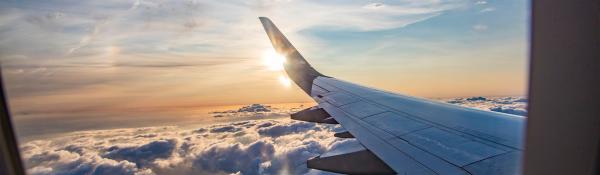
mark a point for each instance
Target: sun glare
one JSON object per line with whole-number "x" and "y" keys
{"x": 273, "y": 60}
{"x": 285, "y": 80}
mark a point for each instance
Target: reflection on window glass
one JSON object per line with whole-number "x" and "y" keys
{"x": 196, "y": 87}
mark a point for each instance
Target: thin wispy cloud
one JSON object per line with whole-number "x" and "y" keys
{"x": 87, "y": 39}
{"x": 100, "y": 39}
{"x": 194, "y": 52}
{"x": 480, "y": 27}
{"x": 215, "y": 18}
{"x": 375, "y": 5}
{"x": 488, "y": 9}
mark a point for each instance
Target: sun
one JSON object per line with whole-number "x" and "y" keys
{"x": 272, "y": 60}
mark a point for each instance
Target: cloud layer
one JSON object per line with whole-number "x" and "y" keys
{"x": 273, "y": 146}
{"x": 277, "y": 146}
{"x": 257, "y": 110}
{"x": 509, "y": 105}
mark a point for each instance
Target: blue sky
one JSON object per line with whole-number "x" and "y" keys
{"x": 488, "y": 38}
{"x": 65, "y": 55}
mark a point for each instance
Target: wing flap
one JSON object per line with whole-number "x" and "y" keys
{"x": 317, "y": 115}
{"x": 360, "y": 162}
{"x": 344, "y": 134}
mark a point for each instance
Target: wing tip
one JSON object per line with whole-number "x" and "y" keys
{"x": 264, "y": 19}
{"x": 297, "y": 68}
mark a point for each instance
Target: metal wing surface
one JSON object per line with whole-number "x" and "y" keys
{"x": 400, "y": 134}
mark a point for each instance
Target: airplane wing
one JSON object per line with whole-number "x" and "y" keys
{"x": 400, "y": 134}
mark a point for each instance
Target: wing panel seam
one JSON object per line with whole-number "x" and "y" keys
{"x": 411, "y": 144}
{"x": 397, "y": 137}
{"x": 486, "y": 141}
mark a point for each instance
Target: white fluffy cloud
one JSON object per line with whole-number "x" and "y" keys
{"x": 249, "y": 147}
{"x": 509, "y": 105}
{"x": 256, "y": 110}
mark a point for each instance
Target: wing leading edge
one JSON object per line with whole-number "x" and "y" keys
{"x": 402, "y": 134}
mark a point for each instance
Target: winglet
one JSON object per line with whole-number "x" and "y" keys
{"x": 297, "y": 68}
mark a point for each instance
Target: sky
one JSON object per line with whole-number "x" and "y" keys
{"x": 193, "y": 86}
{"x": 117, "y": 60}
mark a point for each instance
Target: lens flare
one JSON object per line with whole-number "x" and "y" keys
{"x": 273, "y": 61}
{"x": 285, "y": 81}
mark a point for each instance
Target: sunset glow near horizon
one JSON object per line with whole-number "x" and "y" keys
{"x": 73, "y": 56}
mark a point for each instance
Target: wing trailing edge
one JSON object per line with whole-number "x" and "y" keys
{"x": 316, "y": 115}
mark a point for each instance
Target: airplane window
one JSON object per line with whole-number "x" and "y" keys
{"x": 208, "y": 87}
